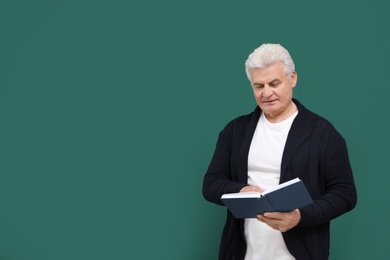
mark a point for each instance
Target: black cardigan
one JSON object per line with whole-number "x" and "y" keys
{"x": 315, "y": 152}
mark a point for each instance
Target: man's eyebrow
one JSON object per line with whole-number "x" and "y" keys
{"x": 275, "y": 81}
{"x": 257, "y": 83}
{"x": 271, "y": 82}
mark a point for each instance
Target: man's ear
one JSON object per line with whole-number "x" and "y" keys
{"x": 294, "y": 78}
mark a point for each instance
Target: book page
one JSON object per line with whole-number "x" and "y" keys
{"x": 281, "y": 186}
{"x": 247, "y": 194}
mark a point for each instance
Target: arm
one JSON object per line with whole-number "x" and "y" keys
{"x": 336, "y": 192}
{"x": 219, "y": 179}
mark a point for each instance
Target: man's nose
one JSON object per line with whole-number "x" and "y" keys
{"x": 267, "y": 91}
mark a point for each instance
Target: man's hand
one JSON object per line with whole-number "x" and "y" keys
{"x": 251, "y": 188}
{"x": 281, "y": 221}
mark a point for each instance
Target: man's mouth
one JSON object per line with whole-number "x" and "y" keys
{"x": 269, "y": 101}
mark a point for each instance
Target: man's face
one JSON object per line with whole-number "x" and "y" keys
{"x": 273, "y": 91}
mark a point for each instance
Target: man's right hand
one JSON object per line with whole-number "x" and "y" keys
{"x": 251, "y": 188}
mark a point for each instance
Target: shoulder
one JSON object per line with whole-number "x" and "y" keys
{"x": 315, "y": 123}
{"x": 243, "y": 122}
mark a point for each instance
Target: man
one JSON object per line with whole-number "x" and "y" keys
{"x": 280, "y": 140}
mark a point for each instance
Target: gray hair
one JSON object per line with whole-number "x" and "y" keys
{"x": 268, "y": 54}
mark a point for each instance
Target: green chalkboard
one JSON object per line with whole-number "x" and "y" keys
{"x": 110, "y": 111}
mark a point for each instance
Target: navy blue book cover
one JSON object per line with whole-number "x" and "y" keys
{"x": 284, "y": 199}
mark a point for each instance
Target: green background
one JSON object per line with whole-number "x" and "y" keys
{"x": 110, "y": 111}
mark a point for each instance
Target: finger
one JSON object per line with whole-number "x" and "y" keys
{"x": 261, "y": 218}
{"x": 273, "y": 215}
{"x": 273, "y": 223}
{"x": 251, "y": 188}
{"x": 266, "y": 219}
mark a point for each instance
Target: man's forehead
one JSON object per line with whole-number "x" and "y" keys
{"x": 268, "y": 74}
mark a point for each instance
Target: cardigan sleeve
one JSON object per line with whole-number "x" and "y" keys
{"x": 218, "y": 179}
{"x": 334, "y": 188}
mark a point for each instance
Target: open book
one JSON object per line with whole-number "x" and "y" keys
{"x": 283, "y": 198}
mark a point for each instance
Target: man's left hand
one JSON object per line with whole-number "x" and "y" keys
{"x": 281, "y": 221}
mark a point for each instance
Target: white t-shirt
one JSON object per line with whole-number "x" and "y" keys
{"x": 264, "y": 160}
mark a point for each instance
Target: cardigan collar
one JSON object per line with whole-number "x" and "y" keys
{"x": 297, "y": 135}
